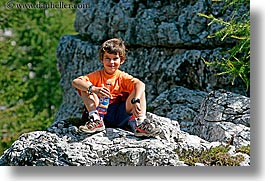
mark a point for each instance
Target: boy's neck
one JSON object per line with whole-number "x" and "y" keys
{"x": 108, "y": 74}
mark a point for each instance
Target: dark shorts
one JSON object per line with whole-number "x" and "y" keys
{"x": 116, "y": 117}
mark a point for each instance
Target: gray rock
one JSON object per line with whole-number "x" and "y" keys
{"x": 71, "y": 148}
{"x": 180, "y": 104}
{"x": 225, "y": 117}
{"x": 45, "y": 148}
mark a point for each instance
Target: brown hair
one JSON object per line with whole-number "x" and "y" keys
{"x": 113, "y": 46}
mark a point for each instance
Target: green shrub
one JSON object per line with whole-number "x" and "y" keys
{"x": 244, "y": 149}
{"x": 215, "y": 156}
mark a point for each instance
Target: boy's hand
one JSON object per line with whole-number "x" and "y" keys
{"x": 136, "y": 109}
{"x": 102, "y": 91}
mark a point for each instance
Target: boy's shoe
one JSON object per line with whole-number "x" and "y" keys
{"x": 94, "y": 124}
{"x": 146, "y": 129}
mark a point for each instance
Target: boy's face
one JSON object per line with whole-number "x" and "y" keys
{"x": 111, "y": 62}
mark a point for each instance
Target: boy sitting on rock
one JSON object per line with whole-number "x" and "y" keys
{"x": 127, "y": 108}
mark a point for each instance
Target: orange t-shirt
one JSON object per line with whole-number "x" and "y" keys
{"x": 122, "y": 84}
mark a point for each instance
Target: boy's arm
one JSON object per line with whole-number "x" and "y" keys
{"x": 139, "y": 88}
{"x": 84, "y": 85}
{"x": 81, "y": 85}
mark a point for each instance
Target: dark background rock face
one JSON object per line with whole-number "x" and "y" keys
{"x": 166, "y": 41}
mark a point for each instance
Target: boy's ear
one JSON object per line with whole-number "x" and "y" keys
{"x": 122, "y": 61}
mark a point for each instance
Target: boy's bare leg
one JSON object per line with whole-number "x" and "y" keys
{"x": 142, "y": 125}
{"x": 95, "y": 124}
{"x": 91, "y": 101}
{"x": 129, "y": 105}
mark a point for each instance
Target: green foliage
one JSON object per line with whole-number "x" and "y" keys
{"x": 215, "y": 156}
{"x": 237, "y": 29}
{"x": 244, "y": 149}
{"x": 30, "y": 92}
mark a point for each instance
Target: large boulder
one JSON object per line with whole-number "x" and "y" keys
{"x": 63, "y": 145}
{"x": 180, "y": 104}
{"x": 225, "y": 117}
